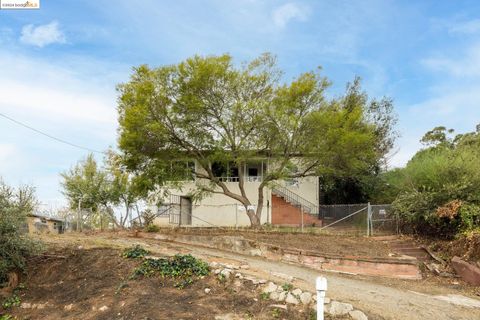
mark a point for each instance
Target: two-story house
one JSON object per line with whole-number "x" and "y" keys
{"x": 286, "y": 203}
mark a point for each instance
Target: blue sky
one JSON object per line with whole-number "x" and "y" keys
{"x": 59, "y": 65}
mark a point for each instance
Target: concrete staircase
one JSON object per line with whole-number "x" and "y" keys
{"x": 407, "y": 247}
{"x": 288, "y": 208}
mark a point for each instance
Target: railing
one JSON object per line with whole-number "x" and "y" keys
{"x": 295, "y": 199}
{"x": 236, "y": 179}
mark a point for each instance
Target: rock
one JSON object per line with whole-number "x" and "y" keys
{"x": 68, "y": 307}
{"x": 282, "y": 295}
{"x": 326, "y": 300}
{"x": 291, "y": 299}
{"x": 104, "y": 308}
{"x": 217, "y": 271}
{"x": 274, "y": 295}
{"x": 262, "y": 281}
{"x": 282, "y": 276}
{"x": 228, "y": 316}
{"x": 358, "y": 315}
{"x": 306, "y": 297}
{"x": 256, "y": 252}
{"x": 278, "y": 306}
{"x": 238, "y": 275}
{"x": 213, "y": 264}
{"x": 467, "y": 271}
{"x": 25, "y": 305}
{"x": 271, "y": 287}
{"x": 207, "y": 290}
{"x": 336, "y": 308}
{"x": 231, "y": 266}
{"x": 237, "y": 283}
{"x": 244, "y": 266}
{"x": 297, "y": 292}
{"x": 39, "y": 305}
{"x": 226, "y": 273}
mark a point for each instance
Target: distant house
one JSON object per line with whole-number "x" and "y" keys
{"x": 40, "y": 224}
{"x": 286, "y": 203}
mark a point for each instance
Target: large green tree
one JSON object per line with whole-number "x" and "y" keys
{"x": 100, "y": 189}
{"x": 210, "y": 110}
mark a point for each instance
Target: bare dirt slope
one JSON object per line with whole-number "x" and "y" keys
{"x": 380, "y": 299}
{"x": 93, "y": 284}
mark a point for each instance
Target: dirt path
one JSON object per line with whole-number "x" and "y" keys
{"x": 379, "y": 301}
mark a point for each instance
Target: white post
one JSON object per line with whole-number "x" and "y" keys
{"x": 321, "y": 286}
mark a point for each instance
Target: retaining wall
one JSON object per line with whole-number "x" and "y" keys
{"x": 385, "y": 267}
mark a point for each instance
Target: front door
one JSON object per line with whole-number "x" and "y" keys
{"x": 185, "y": 211}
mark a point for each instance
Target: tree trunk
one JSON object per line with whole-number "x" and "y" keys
{"x": 254, "y": 220}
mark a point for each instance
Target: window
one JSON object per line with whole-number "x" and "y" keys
{"x": 253, "y": 172}
{"x": 225, "y": 171}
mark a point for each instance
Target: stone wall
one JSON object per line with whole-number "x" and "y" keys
{"x": 384, "y": 267}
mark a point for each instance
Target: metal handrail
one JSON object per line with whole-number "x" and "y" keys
{"x": 292, "y": 197}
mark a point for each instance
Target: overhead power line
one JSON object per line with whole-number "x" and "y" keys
{"x": 50, "y": 136}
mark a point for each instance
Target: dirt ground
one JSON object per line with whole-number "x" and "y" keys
{"x": 329, "y": 244}
{"x": 79, "y": 283}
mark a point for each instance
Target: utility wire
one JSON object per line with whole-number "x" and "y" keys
{"x": 50, "y": 136}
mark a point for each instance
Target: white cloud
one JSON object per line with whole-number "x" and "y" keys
{"x": 42, "y": 35}
{"x": 61, "y": 98}
{"x": 466, "y": 27}
{"x": 287, "y": 12}
{"x": 467, "y": 64}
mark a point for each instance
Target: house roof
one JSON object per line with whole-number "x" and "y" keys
{"x": 45, "y": 217}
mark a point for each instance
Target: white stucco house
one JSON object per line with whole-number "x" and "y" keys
{"x": 286, "y": 203}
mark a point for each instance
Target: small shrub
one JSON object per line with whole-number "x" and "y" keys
{"x": 15, "y": 245}
{"x": 469, "y": 217}
{"x": 152, "y": 228}
{"x": 12, "y": 301}
{"x": 287, "y": 286}
{"x": 222, "y": 278}
{"x": 276, "y": 313}
{"x": 185, "y": 269}
{"x": 135, "y": 252}
{"x": 264, "y": 295}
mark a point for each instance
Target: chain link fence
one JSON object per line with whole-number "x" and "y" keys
{"x": 360, "y": 219}
{"x": 351, "y": 219}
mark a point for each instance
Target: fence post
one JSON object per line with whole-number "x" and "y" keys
{"x": 301, "y": 212}
{"x": 321, "y": 287}
{"x": 369, "y": 220}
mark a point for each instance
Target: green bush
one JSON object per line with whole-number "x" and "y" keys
{"x": 433, "y": 180}
{"x": 134, "y": 252}
{"x": 469, "y": 217}
{"x": 15, "y": 245}
{"x": 184, "y": 268}
{"x": 152, "y": 228}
